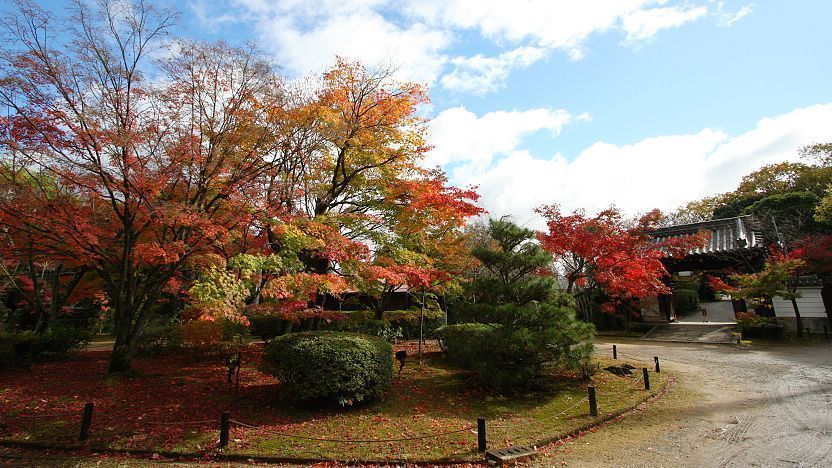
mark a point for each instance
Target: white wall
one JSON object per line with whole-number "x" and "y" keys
{"x": 810, "y": 304}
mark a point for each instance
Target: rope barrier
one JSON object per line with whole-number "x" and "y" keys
{"x": 510, "y": 426}
{"x": 182, "y": 423}
{"x": 633, "y": 357}
{"x": 36, "y": 416}
{"x": 351, "y": 441}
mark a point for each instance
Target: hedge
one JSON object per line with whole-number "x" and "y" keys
{"x": 330, "y": 366}
{"x": 394, "y": 324}
{"x": 19, "y": 347}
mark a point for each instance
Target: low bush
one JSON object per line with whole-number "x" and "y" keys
{"x": 233, "y": 330}
{"x": 394, "y": 324}
{"x": 8, "y": 358}
{"x": 750, "y": 319}
{"x": 62, "y": 339}
{"x": 330, "y": 366}
{"x": 408, "y": 321}
{"x": 267, "y": 327}
{"x": 202, "y": 334}
{"x": 19, "y": 347}
{"x": 159, "y": 340}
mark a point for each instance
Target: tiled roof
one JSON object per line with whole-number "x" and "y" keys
{"x": 727, "y": 235}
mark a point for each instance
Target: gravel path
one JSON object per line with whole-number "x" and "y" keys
{"x": 755, "y": 406}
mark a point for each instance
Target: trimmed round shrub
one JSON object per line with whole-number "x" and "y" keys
{"x": 331, "y": 366}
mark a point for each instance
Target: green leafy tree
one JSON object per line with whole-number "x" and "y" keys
{"x": 785, "y": 218}
{"x": 521, "y": 320}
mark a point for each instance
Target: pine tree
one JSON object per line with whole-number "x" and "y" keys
{"x": 517, "y": 319}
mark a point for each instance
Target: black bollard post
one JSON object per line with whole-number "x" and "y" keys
{"x": 825, "y": 332}
{"x": 646, "y": 378}
{"x": 808, "y": 332}
{"x": 86, "y": 420}
{"x": 481, "y": 440}
{"x": 658, "y": 368}
{"x": 224, "y": 423}
{"x": 614, "y": 352}
{"x": 593, "y": 404}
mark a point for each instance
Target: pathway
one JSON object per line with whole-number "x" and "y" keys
{"x": 755, "y": 406}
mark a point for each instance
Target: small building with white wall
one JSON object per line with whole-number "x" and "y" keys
{"x": 810, "y": 304}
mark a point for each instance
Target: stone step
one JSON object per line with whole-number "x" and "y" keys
{"x": 513, "y": 453}
{"x": 718, "y": 333}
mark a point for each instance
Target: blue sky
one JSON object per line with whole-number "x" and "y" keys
{"x": 640, "y": 103}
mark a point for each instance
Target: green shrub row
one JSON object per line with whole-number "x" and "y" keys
{"x": 330, "y": 366}
{"x": 208, "y": 336}
{"x": 394, "y": 324}
{"x": 18, "y": 348}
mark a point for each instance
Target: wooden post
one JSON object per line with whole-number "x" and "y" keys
{"x": 482, "y": 444}
{"x": 658, "y": 368}
{"x": 86, "y": 421}
{"x": 224, "y": 423}
{"x": 646, "y": 378}
{"x": 593, "y": 404}
{"x": 614, "y": 352}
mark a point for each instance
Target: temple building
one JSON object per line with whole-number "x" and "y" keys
{"x": 736, "y": 245}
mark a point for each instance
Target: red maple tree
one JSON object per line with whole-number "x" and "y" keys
{"x": 611, "y": 254}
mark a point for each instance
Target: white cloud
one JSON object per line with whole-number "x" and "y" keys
{"x": 727, "y": 19}
{"x": 660, "y": 172}
{"x": 641, "y": 25}
{"x": 460, "y": 137}
{"x": 481, "y": 75}
{"x": 420, "y": 37}
{"x": 563, "y": 25}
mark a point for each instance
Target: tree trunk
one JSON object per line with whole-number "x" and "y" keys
{"x": 797, "y": 317}
{"x": 122, "y": 349}
{"x": 129, "y": 325}
{"x": 794, "y": 306}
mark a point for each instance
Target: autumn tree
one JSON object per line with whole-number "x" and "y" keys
{"x": 351, "y": 148}
{"x": 812, "y": 174}
{"x": 777, "y": 278}
{"x": 45, "y": 284}
{"x": 610, "y": 254}
{"x": 155, "y": 170}
{"x": 352, "y": 138}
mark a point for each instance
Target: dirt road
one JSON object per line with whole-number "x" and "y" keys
{"x": 755, "y": 406}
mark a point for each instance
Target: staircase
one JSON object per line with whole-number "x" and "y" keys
{"x": 714, "y": 333}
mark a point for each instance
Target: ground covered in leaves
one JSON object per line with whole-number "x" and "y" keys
{"x": 174, "y": 403}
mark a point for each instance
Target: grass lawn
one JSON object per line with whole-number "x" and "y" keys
{"x": 174, "y": 403}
